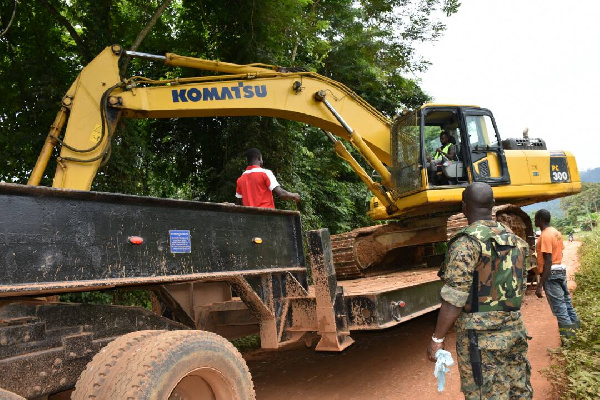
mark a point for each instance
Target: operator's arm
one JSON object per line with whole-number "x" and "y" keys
{"x": 452, "y": 153}
{"x": 285, "y": 195}
{"x": 461, "y": 259}
{"x": 545, "y": 274}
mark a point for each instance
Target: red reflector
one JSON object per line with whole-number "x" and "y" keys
{"x": 135, "y": 240}
{"x": 402, "y": 304}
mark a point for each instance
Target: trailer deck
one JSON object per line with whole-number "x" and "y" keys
{"x": 381, "y": 302}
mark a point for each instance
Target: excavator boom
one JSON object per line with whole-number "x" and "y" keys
{"x": 98, "y": 99}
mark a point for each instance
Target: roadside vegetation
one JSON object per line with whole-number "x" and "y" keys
{"x": 121, "y": 297}
{"x": 580, "y": 211}
{"x": 577, "y": 372}
{"x": 576, "y": 214}
{"x": 247, "y": 343}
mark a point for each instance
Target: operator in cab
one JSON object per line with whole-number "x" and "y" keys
{"x": 256, "y": 186}
{"x": 446, "y": 151}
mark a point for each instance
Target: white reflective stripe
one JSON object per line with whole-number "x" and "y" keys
{"x": 272, "y": 180}
{"x": 558, "y": 267}
{"x": 257, "y": 169}
{"x": 239, "y": 196}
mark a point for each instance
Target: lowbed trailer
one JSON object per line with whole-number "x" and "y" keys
{"x": 211, "y": 267}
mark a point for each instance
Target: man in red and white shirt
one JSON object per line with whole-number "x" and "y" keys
{"x": 256, "y": 186}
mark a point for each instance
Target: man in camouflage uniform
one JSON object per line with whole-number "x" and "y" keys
{"x": 485, "y": 278}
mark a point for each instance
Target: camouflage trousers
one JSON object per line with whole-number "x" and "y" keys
{"x": 504, "y": 365}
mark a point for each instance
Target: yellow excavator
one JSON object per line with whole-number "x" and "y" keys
{"x": 412, "y": 191}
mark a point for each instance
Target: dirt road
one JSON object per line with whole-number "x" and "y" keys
{"x": 391, "y": 364}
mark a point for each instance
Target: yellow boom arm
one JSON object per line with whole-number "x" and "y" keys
{"x": 246, "y": 90}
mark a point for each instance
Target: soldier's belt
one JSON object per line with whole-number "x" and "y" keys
{"x": 490, "y": 320}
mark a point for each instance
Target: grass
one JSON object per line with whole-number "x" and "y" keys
{"x": 247, "y": 343}
{"x": 583, "y": 235}
{"x": 577, "y": 372}
{"x": 122, "y": 297}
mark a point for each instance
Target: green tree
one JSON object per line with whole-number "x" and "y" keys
{"x": 581, "y": 210}
{"x": 368, "y": 45}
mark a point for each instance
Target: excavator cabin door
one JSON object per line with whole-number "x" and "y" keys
{"x": 484, "y": 153}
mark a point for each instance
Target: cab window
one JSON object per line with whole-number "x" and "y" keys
{"x": 480, "y": 131}
{"x": 406, "y": 147}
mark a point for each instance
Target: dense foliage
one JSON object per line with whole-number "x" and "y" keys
{"x": 577, "y": 374}
{"x": 121, "y": 297}
{"x": 581, "y": 210}
{"x": 369, "y": 45}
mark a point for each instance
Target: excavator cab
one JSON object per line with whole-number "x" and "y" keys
{"x": 475, "y": 154}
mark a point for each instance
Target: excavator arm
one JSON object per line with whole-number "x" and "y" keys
{"x": 99, "y": 98}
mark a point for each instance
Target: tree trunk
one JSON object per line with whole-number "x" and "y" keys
{"x": 83, "y": 49}
{"x": 144, "y": 32}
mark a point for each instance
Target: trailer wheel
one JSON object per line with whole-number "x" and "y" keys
{"x": 92, "y": 382}
{"x": 183, "y": 365}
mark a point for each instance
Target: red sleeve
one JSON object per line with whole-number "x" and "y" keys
{"x": 238, "y": 189}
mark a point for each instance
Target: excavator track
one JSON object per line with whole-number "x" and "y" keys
{"x": 361, "y": 252}
{"x": 344, "y": 252}
{"x": 383, "y": 248}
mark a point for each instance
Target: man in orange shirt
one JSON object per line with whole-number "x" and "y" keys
{"x": 553, "y": 278}
{"x": 256, "y": 186}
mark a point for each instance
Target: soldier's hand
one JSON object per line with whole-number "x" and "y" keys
{"x": 432, "y": 349}
{"x": 538, "y": 292}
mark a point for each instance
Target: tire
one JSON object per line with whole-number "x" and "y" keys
{"x": 92, "y": 383}
{"x": 182, "y": 365}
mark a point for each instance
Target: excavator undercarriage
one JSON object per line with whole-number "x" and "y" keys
{"x": 397, "y": 246}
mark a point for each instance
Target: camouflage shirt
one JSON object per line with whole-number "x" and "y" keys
{"x": 500, "y": 266}
{"x": 461, "y": 259}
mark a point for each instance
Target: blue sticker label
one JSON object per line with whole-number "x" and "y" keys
{"x": 181, "y": 241}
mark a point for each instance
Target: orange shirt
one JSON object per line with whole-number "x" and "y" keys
{"x": 550, "y": 241}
